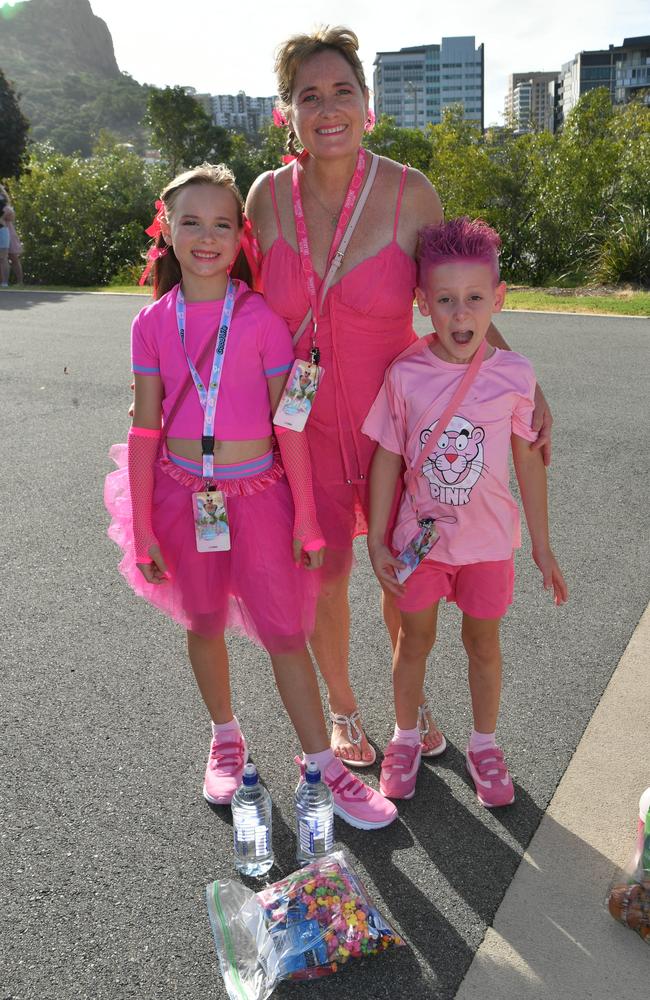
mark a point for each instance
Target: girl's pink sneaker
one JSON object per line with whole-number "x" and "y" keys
{"x": 489, "y": 772}
{"x": 354, "y": 801}
{"x": 399, "y": 769}
{"x": 225, "y": 769}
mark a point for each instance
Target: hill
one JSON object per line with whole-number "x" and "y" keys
{"x": 61, "y": 60}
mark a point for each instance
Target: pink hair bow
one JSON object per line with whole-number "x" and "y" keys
{"x": 155, "y": 228}
{"x": 154, "y": 252}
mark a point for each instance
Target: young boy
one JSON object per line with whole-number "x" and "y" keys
{"x": 462, "y": 485}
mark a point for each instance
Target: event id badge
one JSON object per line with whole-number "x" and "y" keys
{"x": 298, "y": 396}
{"x": 419, "y": 546}
{"x": 210, "y": 521}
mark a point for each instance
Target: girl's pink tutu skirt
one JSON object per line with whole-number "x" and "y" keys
{"x": 254, "y": 589}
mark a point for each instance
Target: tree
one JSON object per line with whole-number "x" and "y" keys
{"x": 14, "y": 129}
{"x": 84, "y": 220}
{"x": 182, "y": 130}
{"x": 406, "y": 145}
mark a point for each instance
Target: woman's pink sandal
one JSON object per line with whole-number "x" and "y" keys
{"x": 355, "y": 736}
{"x": 423, "y": 726}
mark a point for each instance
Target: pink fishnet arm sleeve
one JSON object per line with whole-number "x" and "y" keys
{"x": 294, "y": 451}
{"x": 142, "y": 453}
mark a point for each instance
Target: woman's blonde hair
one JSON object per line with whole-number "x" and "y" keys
{"x": 290, "y": 56}
{"x": 166, "y": 269}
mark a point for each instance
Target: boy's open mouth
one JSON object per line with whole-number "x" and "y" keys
{"x": 462, "y": 336}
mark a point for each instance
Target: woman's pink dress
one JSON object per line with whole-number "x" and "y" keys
{"x": 367, "y": 321}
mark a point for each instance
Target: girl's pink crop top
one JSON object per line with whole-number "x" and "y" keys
{"x": 259, "y": 346}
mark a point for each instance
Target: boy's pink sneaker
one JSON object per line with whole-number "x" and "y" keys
{"x": 399, "y": 769}
{"x": 489, "y": 772}
{"x": 354, "y": 801}
{"x": 223, "y": 775}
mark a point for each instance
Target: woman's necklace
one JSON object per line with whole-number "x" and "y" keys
{"x": 333, "y": 217}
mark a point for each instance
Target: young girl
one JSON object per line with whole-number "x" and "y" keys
{"x": 450, "y": 408}
{"x": 210, "y": 360}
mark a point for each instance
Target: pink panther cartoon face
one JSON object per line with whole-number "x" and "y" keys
{"x": 457, "y": 459}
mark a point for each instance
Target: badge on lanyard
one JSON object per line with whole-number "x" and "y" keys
{"x": 209, "y": 506}
{"x": 210, "y": 521}
{"x": 298, "y": 396}
{"x": 416, "y": 550}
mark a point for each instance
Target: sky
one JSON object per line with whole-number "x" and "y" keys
{"x": 221, "y": 48}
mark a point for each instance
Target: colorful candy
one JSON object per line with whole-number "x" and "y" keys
{"x": 325, "y": 911}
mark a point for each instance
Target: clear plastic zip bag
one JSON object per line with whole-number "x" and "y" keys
{"x": 305, "y": 926}
{"x": 628, "y": 897}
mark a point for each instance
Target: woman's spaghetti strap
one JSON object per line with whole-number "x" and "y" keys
{"x": 274, "y": 201}
{"x": 399, "y": 200}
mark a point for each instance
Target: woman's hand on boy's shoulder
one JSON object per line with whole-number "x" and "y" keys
{"x": 552, "y": 575}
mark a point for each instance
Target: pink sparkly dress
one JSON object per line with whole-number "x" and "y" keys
{"x": 367, "y": 321}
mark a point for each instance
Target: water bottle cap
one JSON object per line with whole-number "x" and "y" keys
{"x": 312, "y": 773}
{"x": 250, "y": 776}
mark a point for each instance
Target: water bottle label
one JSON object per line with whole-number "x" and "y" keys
{"x": 316, "y": 837}
{"x": 252, "y": 839}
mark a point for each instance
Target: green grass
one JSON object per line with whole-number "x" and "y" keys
{"x": 623, "y": 303}
{"x": 105, "y": 289}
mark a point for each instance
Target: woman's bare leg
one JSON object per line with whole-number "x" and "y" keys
{"x": 16, "y": 267}
{"x": 331, "y": 647}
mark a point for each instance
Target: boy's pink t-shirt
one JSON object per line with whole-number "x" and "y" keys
{"x": 259, "y": 346}
{"x": 465, "y": 482}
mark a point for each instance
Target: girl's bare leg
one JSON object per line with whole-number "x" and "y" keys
{"x": 296, "y": 680}
{"x": 417, "y": 634}
{"x": 4, "y": 267}
{"x": 391, "y": 614}
{"x": 481, "y": 641}
{"x": 331, "y": 646}
{"x": 209, "y": 659}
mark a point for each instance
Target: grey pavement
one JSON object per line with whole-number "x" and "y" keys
{"x": 107, "y": 843}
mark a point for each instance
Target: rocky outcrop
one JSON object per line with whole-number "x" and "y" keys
{"x": 54, "y": 38}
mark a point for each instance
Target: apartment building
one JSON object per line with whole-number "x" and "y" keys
{"x": 623, "y": 69}
{"x": 241, "y": 112}
{"x": 530, "y": 103}
{"x": 414, "y": 85}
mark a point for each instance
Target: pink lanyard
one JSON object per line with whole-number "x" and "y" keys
{"x": 303, "y": 238}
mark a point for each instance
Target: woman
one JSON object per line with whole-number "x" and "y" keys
{"x": 365, "y": 322}
{"x": 10, "y": 260}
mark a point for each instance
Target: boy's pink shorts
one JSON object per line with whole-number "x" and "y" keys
{"x": 482, "y": 590}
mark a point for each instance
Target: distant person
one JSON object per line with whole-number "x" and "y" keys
{"x": 451, "y": 409}
{"x": 5, "y": 237}
{"x": 14, "y": 247}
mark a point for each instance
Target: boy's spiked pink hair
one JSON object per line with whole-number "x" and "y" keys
{"x": 461, "y": 239}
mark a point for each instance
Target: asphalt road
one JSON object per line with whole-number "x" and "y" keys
{"x": 107, "y": 844}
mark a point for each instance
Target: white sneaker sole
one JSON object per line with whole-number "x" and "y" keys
{"x": 362, "y": 824}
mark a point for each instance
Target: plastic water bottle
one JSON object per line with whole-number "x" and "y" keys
{"x": 251, "y": 821}
{"x": 314, "y": 816}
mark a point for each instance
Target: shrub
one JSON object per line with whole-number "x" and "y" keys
{"x": 623, "y": 252}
